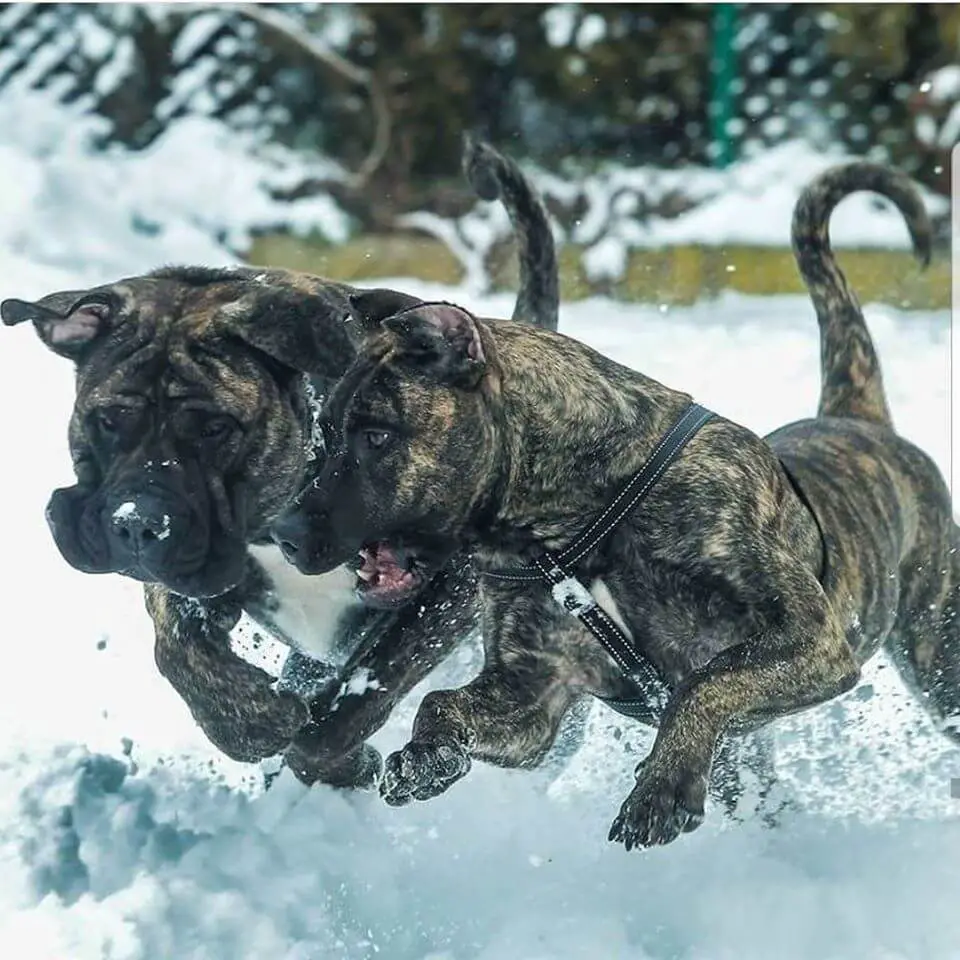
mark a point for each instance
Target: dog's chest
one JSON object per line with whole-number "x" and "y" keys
{"x": 672, "y": 637}
{"x": 604, "y": 598}
{"x": 308, "y": 612}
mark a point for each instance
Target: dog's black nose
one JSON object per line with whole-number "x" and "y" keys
{"x": 140, "y": 523}
{"x": 289, "y": 533}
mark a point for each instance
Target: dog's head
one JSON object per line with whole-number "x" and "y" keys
{"x": 190, "y": 429}
{"x": 410, "y": 449}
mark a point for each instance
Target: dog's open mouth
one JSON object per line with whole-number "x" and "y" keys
{"x": 387, "y": 575}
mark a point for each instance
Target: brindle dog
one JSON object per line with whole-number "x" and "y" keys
{"x": 757, "y": 577}
{"x": 192, "y": 428}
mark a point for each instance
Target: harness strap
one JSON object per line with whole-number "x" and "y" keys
{"x": 666, "y": 451}
{"x": 574, "y": 597}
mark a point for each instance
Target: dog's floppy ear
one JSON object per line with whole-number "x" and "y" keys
{"x": 371, "y": 307}
{"x": 303, "y": 331}
{"x": 443, "y": 340}
{"x": 67, "y": 322}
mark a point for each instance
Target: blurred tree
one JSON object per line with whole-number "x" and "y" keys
{"x": 387, "y": 89}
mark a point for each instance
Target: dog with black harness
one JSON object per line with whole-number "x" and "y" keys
{"x": 729, "y": 580}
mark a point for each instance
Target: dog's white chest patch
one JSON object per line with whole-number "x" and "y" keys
{"x": 601, "y": 593}
{"x": 310, "y": 607}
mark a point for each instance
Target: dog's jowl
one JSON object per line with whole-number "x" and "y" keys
{"x": 192, "y": 428}
{"x": 753, "y": 577}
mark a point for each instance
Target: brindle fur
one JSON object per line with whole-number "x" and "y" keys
{"x": 238, "y": 342}
{"x": 758, "y": 575}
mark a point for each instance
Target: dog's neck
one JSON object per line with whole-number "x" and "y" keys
{"x": 572, "y": 426}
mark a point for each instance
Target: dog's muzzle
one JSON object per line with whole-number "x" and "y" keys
{"x": 153, "y": 535}
{"x": 149, "y": 531}
{"x": 296, "y": 534}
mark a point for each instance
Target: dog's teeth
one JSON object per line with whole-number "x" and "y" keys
{"x": 366, "y": 575}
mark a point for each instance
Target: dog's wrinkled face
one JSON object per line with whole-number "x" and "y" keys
{"x": 189, "y": 431}
{"x": 410, "y": 449}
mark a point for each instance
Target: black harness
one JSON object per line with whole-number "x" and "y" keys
{"x": 556, "y": 569}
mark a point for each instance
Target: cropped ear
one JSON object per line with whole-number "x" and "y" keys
{"x": 443, "y": 341}
{"x": 67, "y": 322}
{"x": 371, "y": 307}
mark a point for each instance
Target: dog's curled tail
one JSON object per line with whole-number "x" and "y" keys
{"x": 852, "y": 385}
{"x": 494, "y": 176}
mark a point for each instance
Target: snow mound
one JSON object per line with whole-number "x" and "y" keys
{"x": 196, "y": 195}
{"x": 131, "y": 871}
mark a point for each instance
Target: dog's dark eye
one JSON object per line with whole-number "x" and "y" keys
{"x": 218, "y": 428}
{"x": 377, "y": 439}
{"x": 107, "y": 421}
{"x": 110, "y": 420}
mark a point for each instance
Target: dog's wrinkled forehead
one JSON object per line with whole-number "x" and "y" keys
{"x": 159, "y": 330}
{"x": 295, "y": 322}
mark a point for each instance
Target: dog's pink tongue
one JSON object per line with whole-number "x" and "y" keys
{"x": 389, "y": 573}
{"x": 394, "y": 577}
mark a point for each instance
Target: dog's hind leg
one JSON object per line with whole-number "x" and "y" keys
{"x": 924, "y": 644}
{"x": 852, "y": 385}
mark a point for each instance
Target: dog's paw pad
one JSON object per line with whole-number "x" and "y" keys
{"x": 659, "y": 809}
{"x": 421, "y": 771}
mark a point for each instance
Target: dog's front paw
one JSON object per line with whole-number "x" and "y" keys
{"x": 663, "y": 804}
{"x": 422, "y": 770}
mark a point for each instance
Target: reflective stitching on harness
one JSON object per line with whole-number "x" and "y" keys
{"x": 568, "y": 554}
{"x": 570, "y": 593}
{"x": 586, "y": 548}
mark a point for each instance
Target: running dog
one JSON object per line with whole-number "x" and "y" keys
{"x": 634, "y": 546}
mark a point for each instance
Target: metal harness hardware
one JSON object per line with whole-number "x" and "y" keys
{"x": 557, "y": 568}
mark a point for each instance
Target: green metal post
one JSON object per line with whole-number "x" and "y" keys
{"x": 723, "y": 69}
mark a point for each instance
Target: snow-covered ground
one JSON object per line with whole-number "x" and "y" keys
{"x": 183, "y": 859}
{"x": 124, "y": 836}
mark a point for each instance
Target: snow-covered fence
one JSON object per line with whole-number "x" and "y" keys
{"x": 630, "y": 84}
{"x": 882, "y": 82}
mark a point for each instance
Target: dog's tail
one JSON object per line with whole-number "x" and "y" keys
{"x": 494, "y": 176}
{"x": 852, "y": 385}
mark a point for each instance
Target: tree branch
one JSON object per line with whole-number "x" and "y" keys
{"x": 292, "y": 30}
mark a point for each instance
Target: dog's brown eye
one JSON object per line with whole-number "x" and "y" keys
{"x": 376, "y": 439}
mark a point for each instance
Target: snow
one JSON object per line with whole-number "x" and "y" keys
{"x": 573, "y": 596}
{"x": 125, "y": 836}
{"x": 943, "y": 85}
{"x": 125, "y": 511}
{"x": 359, "y": 683}
{"x": 194, "y": 35}
{"x": 198, "y": 193}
